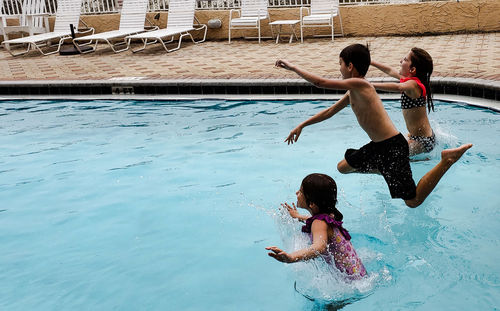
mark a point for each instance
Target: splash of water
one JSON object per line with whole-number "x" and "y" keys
{"x": 317, "y": 280}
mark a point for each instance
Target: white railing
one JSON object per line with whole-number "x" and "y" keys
{"x": 11, "y": 7}
{"x": 100, "y": 6}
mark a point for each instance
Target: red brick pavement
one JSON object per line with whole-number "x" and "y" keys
{"x": 463, "y": 56}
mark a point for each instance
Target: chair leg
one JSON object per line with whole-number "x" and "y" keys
{"x": 145, "y": 41}
{"x": 178, "y": 45}
{"x": 204, "y": 34}
{"x": 332, "y": 30}
{"x": 341, "y": 26}
{"x": 259, "y": 30}
{"x": 52, "y": 52}
{"x": 77, "y": 46}
{"x": 116, "y": 45}
{"x": 5, "y": 38}
{"x": 8, "y": 47}
{"x": 229, "y": 31}
{"x": 301, "y": 33}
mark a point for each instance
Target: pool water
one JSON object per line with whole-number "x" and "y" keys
{"x": 139, "y": 205}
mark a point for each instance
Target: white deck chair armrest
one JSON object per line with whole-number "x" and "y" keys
{"x": 301, "y": 14}
{"x": 231, "y": 13}
{"x": 86, "y": 28}
{"x": 9, "y": 16}
{"x": 197, "y": 22}
{"x": 38, "y": 14}
{"x": 151, "y": 26}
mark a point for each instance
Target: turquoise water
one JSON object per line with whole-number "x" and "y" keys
{"x": 126, "y": 205}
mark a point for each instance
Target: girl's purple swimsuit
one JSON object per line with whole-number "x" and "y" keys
{"x": 340, "y": 247}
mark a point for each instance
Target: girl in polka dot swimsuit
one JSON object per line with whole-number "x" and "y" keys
{"x": 414, "y": 76}
{"x": 318, "y": 195}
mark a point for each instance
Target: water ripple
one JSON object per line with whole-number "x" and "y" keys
{"x": 130, "y": 165}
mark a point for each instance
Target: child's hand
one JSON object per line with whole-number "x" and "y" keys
{"x": 283, "y": 63}
{"x": 294, "y": 135}
{"x": 291, "y": 210}
{"x": 280, "y": 255}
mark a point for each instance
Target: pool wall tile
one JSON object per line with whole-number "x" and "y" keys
{"x": 440, "y": 85}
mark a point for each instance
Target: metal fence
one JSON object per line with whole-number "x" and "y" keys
{"x": 11, "y": 7}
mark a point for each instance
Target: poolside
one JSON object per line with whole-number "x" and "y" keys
{"x": 471, "y": 56}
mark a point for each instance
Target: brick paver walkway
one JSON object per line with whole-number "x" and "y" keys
{"x": 463, "y": 55}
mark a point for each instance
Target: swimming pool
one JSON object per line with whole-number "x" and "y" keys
{"x": 137, "y": 205}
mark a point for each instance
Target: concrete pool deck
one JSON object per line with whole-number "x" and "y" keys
{"x": 473, "y": 59}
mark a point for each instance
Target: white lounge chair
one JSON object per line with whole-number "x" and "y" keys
{"x": 321, "y": 15}
{"x": 180, "y": 22}
{"x": 68, "y": 13}
{"x": 29, "y": 15}
{"x": 251, "y": 15}
{"x": 132, "y": 18}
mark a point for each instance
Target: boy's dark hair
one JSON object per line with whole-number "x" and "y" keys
{"x": 423, "y": 64}
{"x": 358, "y": 55}
{"x": 321, "y": 190}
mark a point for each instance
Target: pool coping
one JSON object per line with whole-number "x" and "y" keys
{"x": 485, "y": 93}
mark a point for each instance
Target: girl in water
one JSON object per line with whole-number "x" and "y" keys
{"x": 318, "y": 195}
{"x": 414, "y": 85}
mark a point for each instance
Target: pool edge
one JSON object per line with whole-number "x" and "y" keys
{"x": 487, "y": 92}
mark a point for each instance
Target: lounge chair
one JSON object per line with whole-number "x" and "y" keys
{"x": 322, "y": 14}
{"x": 68, "y": 13}
{"x": 132, "y": 19}
{"x": 252, "y": 13}
{"x": 180, "y": 22}
{"x": 29, "y": 15}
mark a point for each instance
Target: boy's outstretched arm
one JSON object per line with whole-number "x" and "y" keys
{"x": 386, "y": 69}
{"x": 318, "y": 81}
{"x": 320, "y": 116}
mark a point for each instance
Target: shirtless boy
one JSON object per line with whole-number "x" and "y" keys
{"x": 388, "y": 152}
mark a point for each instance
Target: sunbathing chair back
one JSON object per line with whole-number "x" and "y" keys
{"x": 4, "y": 15}
{"x": 68, "y": 12}
{"x": 324, "y": 7}
{"x": 254, "y": 8}
{"x": 133, "y": 14}
{"x": 20, "y": 10}
{"x": 181, "y": 13}
{"x": 33, "y": 7}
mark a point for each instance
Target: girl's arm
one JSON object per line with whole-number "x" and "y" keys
{"x": 319, "y": 231}
{"x": 410, "y": 87}
{"x": 386, "y": 69}
{"x": 319, "y": 117}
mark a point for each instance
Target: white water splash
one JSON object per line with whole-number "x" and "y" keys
{"x": 316, "y": 279}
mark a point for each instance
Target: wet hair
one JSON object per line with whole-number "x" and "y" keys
{"x": 358, "y": 55}
{"x": 321, "y": 190}
{"x": 423, "y": 64}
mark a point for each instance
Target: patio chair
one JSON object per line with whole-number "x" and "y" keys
{"x": 29, "y": 16}
{"x": 180, "y": 21}
{"x": 321, "y": 14}
{"x": 68, "y": 13}
{"x": 251, "y": 15}
{"x": 132, "y": 18}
